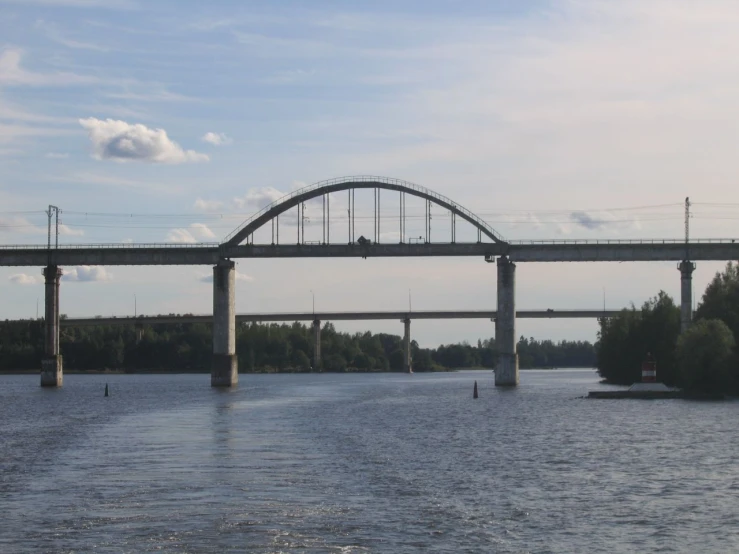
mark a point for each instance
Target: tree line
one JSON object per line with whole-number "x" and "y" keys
{"x": 261, "y": 348}
{"x": 703, "y": 359}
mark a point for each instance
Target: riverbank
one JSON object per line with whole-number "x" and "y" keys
{"x": 264, "y": 372}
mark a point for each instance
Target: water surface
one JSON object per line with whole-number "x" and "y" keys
{"x": 362, "y": 463}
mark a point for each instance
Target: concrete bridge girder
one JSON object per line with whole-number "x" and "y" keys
{"x": 407, "y": 354}
{"x": 686, "y": 269}
{"x": 210, "y": 255}
{"x": 225, "y": 371}
{"x": 506, "y": 371}
{"x": 52, "y": 374}
{"x": 317, "y": 362}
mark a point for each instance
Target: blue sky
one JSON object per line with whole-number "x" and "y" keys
{"x": 173, "y": 121}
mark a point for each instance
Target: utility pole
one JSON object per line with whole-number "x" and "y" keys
{"x": 687, "y": 219}
{"x": 55, "y": 211}
{"x": 687, "y": 227}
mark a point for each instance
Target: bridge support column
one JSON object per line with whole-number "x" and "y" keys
{"x": 407, "y": 361}
{"x": 686, "y": 294}
{"x": 316, "y": 344}
{"x": 506, "y": 372}
{"x": 51, "y": 365}
{"x": 225, "y": 368}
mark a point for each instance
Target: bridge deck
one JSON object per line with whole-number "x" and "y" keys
{"x": 337, "y": 316}
{"x": 209, "y": 254}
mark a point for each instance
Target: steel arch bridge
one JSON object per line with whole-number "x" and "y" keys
{"x": 272, "y": 212}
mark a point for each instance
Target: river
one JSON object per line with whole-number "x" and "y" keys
{"x": 362, "y": 463}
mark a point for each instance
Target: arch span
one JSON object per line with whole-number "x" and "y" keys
{"x": 291, "y": 200}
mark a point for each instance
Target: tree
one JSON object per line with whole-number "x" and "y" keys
{"x": 397, "y": 360}
{"x": 261, "y": 348}
{"x": 363, "y": 362}
{"x": 721, "y": 299}
{"x": 334, "y": 362}
{"x": 625, "y": 340}
{"x": 422, "y": 360}
{"x": 705, "y": 353}
{"x": 300, "y": 360}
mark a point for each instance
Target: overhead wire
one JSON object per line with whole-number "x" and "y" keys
{"x": 166, "y": 221}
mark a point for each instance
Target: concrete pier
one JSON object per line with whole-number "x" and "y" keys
{"x": 51, "y": 365}
{"x": 225, "y": 368}
{"x": 407, "y": 358}
{"x": 506, "y": 372}
{"x": 686, "y": 294}
{"x": 316, "y": 344}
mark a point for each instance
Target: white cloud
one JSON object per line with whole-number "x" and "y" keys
{"x": 91, "y": 178}
{"x": 258, "y": 198}
{"x": 181, "y": 236}
{"x": 122, "y": 142}
{"x": 12, "y": 133}
{"x": 23, "y": 226}
{"x": 515, "y": 221}
{"x": 208, "y": 205}
{"x": 216, "y": 139}
{"x": 86, "y": 273}
{"x": 14, "y": 112}
{"x": 201, "y": 231}
{"x": 53, "y": 33}
{"x": 11, "y": 73}
{"x": 67, "y": 230}
{"x": 152, "y": 94}
{"x": 24, "y": 279}
{"x": 17, "y": 224}
{"x": 196, "y": 232}
{"x": 57, "y": 155}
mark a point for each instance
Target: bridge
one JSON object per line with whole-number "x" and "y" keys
{"x": 332, "y": 316}
{"x": 317, "y": 317}
{"x": 489, "y": 246}
{"x": 650, "y": 250}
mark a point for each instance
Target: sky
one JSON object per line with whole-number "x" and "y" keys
{"x": 173, "y": 121}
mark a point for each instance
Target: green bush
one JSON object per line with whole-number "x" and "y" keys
{"x": 704, "y": 354}
{"x": 625, "y": 340}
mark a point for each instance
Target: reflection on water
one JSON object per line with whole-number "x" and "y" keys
{"x": 355, "y": 463}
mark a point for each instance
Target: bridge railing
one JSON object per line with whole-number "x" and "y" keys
{"x": 184, "y": 245}
{"x": 623, "y": 241}
{"x": 110, "y": 245}
{"x": 361, "y": 179}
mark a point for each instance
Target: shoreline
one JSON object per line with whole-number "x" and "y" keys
{"x": 207, "y": 371}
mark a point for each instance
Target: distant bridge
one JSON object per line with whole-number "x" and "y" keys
{"x": 335, "y": 316}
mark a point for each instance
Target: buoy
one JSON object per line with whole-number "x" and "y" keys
{"x": 106, "y": 389}
{"x": 649, "y": 370}
{"x": 474, "y": 394}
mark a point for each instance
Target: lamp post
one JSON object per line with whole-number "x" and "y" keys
{"x": 314, "y": 302}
